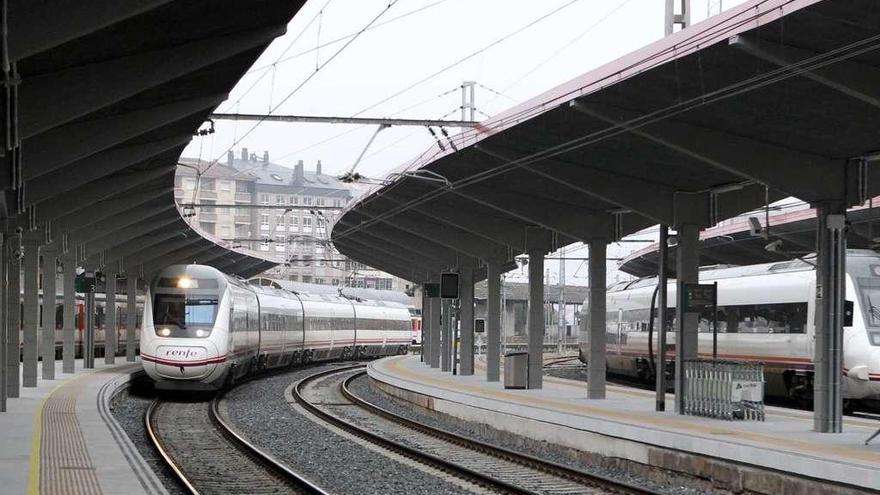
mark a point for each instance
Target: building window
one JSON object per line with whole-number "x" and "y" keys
{"x": 319, "y": 280}
{"x": 189, "y": 183}
{"x": 208, "y": 209}
{"x": 307, "y": 279}
{"x": 207, "y": 227}
{"x": 225, "y": 185}
{"x": 319, "y": 201}
{"x": 336, "y": 202}
{"x": 307, "y": 222}
{"x": 264, "y": 219}
{"x": 264, "y": 199}
{"x": 335, "y": 281}
{"x": 264, "y": 247}
{"x": 307, "y": 200}
{"x": 208, "y": 185}
{"x": 279, "y": 199}
{"x": 294, "y": 200}
{"x": 241, "y": 186}
{"x": 293, "y": 221}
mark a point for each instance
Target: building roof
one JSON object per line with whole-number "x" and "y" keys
{"x": 267, "y": 173}
{"x": 519, "y": 291}
{"x": 215, "y": 171}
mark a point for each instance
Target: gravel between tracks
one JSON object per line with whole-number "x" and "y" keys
{"x": 362, "y": 388}
{"x": 259, "y": 410}
{"x": 129, "y": 408}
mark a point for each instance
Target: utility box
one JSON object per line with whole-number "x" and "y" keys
{"x": 516, "y": 370}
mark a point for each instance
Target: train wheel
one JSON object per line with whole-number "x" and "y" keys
{"x": 346, "y": 353}
{"x": 294, "y": 360}
{"x": 402, "y": 350}
{"x": 307, "y": 356}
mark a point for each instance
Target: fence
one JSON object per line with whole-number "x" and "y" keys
{"x": 724, "y": 389}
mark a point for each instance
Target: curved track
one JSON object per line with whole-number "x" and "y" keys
{"x": 208, "y": 457}
{"x": 326, "y": 394}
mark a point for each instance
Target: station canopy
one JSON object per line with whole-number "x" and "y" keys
{"x": 106, "y": 96}
{"x": 770, "y": 99}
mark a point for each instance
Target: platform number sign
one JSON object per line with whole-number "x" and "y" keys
{"x": 432, "y": 290}
{"x": 699, "y": 297}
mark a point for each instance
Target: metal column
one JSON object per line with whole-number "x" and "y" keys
{"x": 31, "y": 312}
{"x": 687, "y": 270}
{"x": 68, "y": 319}
{"x": 47, "y": 347}
{"x": 426, "y": 337}
{"x": 660, "y": 328}
{"x": 111, "y": 335}
{"x": 536, "y": 318}
{"x": 434, "y": 329}
{"x": 4, "y": 349}
{"x": 446, "y": 331}
{"x": 13, "y": 313}
{"x": 493, "y": 323}
{"x": 830, "y": 295}
{"x": 131, "y": 317}
{"x": 89, "y": 331}
{"x": 466, "y": 315}
{"x": 597, "y": 332}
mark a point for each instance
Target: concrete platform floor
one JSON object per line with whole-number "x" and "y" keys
{"x": 624, "y": 423}
{"x": 60, "y": 438}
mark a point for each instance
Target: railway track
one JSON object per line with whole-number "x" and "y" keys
{"x": 208, "y": 457}
{"x": 327, "y": 395}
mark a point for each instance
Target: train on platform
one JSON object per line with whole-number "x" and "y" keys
{"x": 203, "y": 330}
{"x": 765, "y": 313}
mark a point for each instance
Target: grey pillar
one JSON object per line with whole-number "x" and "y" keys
{"x": 687, "y": 270}
{"x": 660, "y": 327}
{"x": 4, "y": 344}
{"x": 493, "y": 323}
{"x": 68, "y": 315}
{"x": 830, "y": 295}
{"x": 426, "y": 341}
{"x": 131, "y": 317}
{"x": 111, "y": 336}
{"x": 597, "y": 332}
{"x": 536, "y": 318}
{"x": 446, "y": 331}
{"x": 466, "y": 298}
{"x": 31, "y": 312}
{"x": 13, "y": 300}
{"x": 47, "y": 347}
{"x": 434, "y": 329}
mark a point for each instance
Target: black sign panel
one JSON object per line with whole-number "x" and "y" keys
{"x": 449, "y": 285}
{"x": 432, "y": 290}
{"x": 698, "y": 297}
{"x": 479, "y": 325}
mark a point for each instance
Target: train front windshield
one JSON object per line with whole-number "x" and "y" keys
{"x": 184, "y": 313}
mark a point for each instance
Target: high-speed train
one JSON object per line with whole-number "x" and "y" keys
{"x": 765, "y": 313}
{"x": 202, "y": 329}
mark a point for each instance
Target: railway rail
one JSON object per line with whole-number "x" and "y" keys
{"x": 208, "y": 457}
{"x": 327, "y": 395}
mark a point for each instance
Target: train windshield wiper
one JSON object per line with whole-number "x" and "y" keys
{"x": 873, "y": 310}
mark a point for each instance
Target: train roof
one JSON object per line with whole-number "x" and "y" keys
{"x": 720, "y": 273}
{"x": 323, "y": 297}
{"x": 352, "y": 292}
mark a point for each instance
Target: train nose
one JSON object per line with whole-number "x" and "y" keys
{"x": 179, "y": 361}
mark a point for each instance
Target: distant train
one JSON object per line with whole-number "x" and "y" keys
{"x": 765, "y": 313}
{"x": 203, "y": 330}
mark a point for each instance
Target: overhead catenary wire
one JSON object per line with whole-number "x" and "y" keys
{"x": 305, "y": 81}
{"x": 467, "y": 57}
{"x": 734, "y": 89}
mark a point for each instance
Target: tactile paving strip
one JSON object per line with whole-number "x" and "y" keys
{"x": 65, "y": 466}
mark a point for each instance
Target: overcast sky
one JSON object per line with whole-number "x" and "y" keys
{"x": 410, "y": 41}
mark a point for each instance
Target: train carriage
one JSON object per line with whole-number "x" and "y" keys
{"x": 765, "y": 313}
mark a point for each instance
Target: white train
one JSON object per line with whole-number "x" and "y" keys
{"x": 765, "y": 313}
{"x": 202, "y": 329}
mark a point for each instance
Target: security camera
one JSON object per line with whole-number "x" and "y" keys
{"x": 755, "y": 227}
{"x": 774, "y": 247}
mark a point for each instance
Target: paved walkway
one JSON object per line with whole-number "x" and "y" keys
{"x": 60, "y": 438}
{"x": 784, "y": 441}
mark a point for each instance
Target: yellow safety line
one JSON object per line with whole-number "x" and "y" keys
{"x": 33, "y": 485}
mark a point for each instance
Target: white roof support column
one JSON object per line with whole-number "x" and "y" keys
{"x": 596, "y": 318}
{"x": 466, "y": 302}
{"x": 68, "y": 316}
{"x": 111, "y": 335}
{"x": 47, "y": 346}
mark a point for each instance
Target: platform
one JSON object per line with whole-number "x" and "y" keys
{"x": 625, "y": 425}
{"x": 60, "y": 438}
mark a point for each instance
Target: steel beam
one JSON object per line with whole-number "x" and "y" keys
{"x": 383, "y": 121}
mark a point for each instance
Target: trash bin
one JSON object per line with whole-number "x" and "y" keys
{"x": 516, "y": 370}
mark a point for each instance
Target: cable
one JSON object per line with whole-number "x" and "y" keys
{"x": 756, "y": 82}
{"x": 467, "y": 57}
{"x": 305, "y": 81}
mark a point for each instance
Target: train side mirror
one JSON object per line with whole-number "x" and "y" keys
{"x": 848, "y": 309}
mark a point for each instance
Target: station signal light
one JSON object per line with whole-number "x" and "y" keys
{"x": 449, "y": 285}
{"x": 432, "y": 290}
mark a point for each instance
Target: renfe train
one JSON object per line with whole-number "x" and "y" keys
{"x": 765, "y": 313}
{"x": 203, "y": 330}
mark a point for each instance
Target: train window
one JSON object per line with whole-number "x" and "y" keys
{"x": 179, "y": 311}
{"x": 869, "y": 290}
{"x": 874, "y": 337}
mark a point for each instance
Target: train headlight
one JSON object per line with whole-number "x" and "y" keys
{"x": 185, "y": 283}
{"x": 165, "y": 332}
{"x": 201, "y": 333}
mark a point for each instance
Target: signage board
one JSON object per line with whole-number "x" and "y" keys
{"x": 449, "y": 285}
{"x": 698, "y": 297}
{"x": 432, "y": 290}
{"x": 479, "y": 325}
